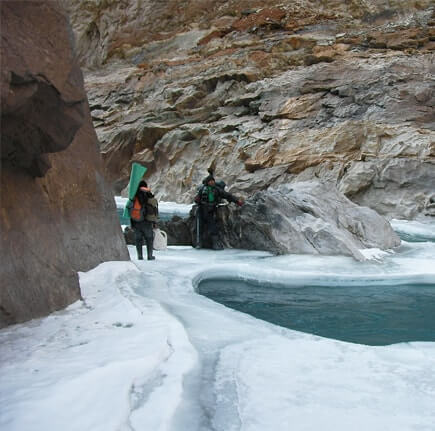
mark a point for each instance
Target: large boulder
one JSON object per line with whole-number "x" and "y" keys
{"x": 307, "y": 217}
{"x": 58, "y": 214}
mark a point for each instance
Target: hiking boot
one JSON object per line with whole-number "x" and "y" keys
{"x": 150, "y": 252}
{"x": 139, "y": 252}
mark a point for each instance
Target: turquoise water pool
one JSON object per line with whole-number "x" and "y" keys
{"x": 372, "y": 315}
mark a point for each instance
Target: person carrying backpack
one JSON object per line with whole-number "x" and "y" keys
{"x": 143, "y": 218}
{"x": 208, "y": 198}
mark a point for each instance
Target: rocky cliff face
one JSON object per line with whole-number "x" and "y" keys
{"x": 266, "y": 92}
{"x": 57, "y": 212}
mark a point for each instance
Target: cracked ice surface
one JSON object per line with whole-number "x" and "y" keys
{"x": 143, "y": 351}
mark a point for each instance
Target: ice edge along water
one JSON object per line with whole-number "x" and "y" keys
{"x": 143, "y": 351}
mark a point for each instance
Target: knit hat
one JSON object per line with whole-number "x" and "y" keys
{"x": 209, "y": 178}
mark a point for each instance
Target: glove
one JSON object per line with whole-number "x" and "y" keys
{"x": 239, "y": 202}
{"x": 197, "y": 199}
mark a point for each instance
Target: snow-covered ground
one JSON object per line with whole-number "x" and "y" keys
{"x": 143, "y": 351}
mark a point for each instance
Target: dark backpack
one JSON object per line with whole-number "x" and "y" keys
{"x": 152, "y": 210}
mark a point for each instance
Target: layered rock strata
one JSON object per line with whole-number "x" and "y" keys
{"x": 58, "y": 214}
{"x": 267, "y": 92}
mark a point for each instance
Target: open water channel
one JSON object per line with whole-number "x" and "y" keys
{"x": 370, "y": 313}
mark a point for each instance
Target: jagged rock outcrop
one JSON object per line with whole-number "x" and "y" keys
{"x": 306, "y": 217}
{"x": 269, "y": 92}
{"x": 58, "y": 214}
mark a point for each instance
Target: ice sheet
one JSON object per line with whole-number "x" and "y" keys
{"x": 144, "y": 351}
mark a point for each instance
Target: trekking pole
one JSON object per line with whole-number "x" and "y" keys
{"x": 198, "y": 234}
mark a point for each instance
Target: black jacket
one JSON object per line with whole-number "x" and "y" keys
{"x": 202, "y": 197}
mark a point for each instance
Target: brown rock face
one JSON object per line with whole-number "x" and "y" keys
{"x": 268, "y": 92}
{"x": 52, "y": 100}
{"x": 57, "y": 212}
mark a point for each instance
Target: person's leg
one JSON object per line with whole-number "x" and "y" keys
{"x": 199, "y": 225}
{"x": 149, "y": 239}
{"x": 213, "y": 230}
{"x": 138, "y": 236}
{"x": 205, "y": 240}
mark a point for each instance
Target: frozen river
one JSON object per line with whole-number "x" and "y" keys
{"x": 145, "y": 351}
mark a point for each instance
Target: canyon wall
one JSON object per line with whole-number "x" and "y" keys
{"x": 266, "y": 92}
{"x": 58, "y": 214}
